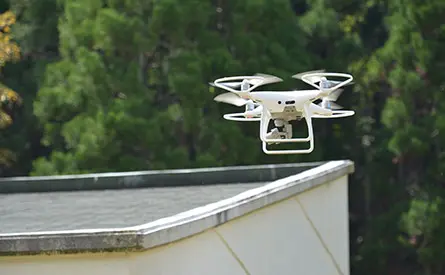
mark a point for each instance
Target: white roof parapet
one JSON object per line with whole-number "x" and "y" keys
{"x": 152, "y": 178}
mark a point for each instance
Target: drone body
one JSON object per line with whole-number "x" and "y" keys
{"x": 282, "y": 107}
{"x": 288, "y": 104}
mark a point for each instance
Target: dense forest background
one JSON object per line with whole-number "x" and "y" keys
{"x": 120, "y": 85}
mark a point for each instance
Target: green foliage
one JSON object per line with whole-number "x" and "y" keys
{"x": 406, "y": 71}
{"x": 424, "y": 223}
{"x": 167, "y": 118}
{"x": 120, "y": 85}
{"x": 9, "y": 99}
{"x": 395, "y": 114}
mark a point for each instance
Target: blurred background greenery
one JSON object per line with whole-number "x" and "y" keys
{"x": 121, "y": 85}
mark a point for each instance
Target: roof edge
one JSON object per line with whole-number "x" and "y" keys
{"x": 153, "y": 178}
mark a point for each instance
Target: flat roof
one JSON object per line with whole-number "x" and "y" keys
{"x": 132, "y": 211}
{"x": 28, "y": 212}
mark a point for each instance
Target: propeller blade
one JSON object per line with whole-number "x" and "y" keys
{"x": 331, "y": 83}
{"x": 268, "y": 79}
{"x": 266, "y": 75}
{"x": 312, "y": 79}
{"x": 335, "y": 106}
{"x": 330, "y": 105}
{"x": 232, "y": 85}
{"x": 334, "y": 95}
{"x": 231, "y": 98}
{"x": 334, "y": 82}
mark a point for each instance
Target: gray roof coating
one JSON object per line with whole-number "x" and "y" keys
{"x": 106, "y": 208}
{"x": 79, "y": 210}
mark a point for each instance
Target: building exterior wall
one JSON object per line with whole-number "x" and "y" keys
{"x": 304, "y": 234}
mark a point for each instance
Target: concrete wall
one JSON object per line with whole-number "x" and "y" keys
{"x": 295, "y": 225}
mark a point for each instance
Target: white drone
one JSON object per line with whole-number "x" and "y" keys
{"x": 283, "y": 106}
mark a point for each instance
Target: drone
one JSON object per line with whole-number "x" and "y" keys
{"x": 282, "y": 107}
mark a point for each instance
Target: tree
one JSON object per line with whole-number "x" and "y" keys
{"x": 404, "y": 162}
{"x": 9, "y": 99}
{"x": 122, "y": 85}
{"x": 131, "y": 89}
{"x": 35, "y": 32}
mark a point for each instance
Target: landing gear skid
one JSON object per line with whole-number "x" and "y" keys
{"x": 276, "y": 136}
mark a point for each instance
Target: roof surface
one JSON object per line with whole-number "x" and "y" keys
{"x": 30, "y": 212}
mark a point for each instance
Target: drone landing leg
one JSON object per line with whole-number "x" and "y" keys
{"x": 265, "y": 120}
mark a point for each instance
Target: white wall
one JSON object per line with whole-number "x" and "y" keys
{"x": 306, "y": 234}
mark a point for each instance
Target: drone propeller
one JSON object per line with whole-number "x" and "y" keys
{"x": 322, "y": 80}
{"x": 233, "y": 85}
{"x": 327, "y": 104}
{"x": 328, "y": 101}
{"x": 313, "y": 79}
{"x": 334, "y": 95}
{"x": 324, "y": 83}
{"x": 231, "y": 98}
{"x": 252, "y": 109}
{"x": 268, "y": 79}
{"x": 247, "y": 83}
